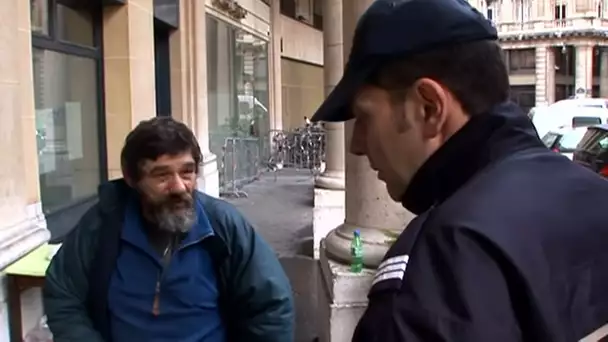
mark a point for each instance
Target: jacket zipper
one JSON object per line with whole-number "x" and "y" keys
{"x": 165, "y": 263}
{"x": 156, "y": 304}
{"x": 166, "y": 260}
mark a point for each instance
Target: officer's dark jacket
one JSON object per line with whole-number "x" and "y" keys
{"x": 255, "y": 295}
{"x": 511, "y": 244}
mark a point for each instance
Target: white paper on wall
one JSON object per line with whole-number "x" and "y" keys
{"x": 73, "y": 121}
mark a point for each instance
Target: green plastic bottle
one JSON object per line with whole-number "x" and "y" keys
{"x": 356, "y": 253}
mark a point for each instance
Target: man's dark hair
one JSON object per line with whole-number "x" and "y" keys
{"x": 154, "y": 138}
{"x": 474, "y": 72}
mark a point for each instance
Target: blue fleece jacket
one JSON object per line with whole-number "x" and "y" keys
{"x": 188, "y": 308}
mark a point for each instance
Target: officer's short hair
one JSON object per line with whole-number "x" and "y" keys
{"x": 474, "y": 72}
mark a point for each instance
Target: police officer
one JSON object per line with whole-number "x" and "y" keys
{"x": 511, "y": 240}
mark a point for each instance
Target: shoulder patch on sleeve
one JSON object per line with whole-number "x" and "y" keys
{"x": 392, "y": 268}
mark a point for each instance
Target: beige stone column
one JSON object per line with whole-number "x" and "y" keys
{"x": 328, "y": 211}
{"x": 128, "y": 38}
{"x": 333, "y": 66}
{"x": 545, "y": 75}
{"x": 22, "y": 223}
{"x": 583, "y": 74}
{"x": 274, "y": 70}
{"x": 603, "y": 60}
{"x": 189, "y": 85}
{"x": 343, "y": 294}
{"x": 180, "y": 55}
{"x": 23, "y": 226}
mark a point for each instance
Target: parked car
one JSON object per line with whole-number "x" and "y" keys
{"x": 581, "y": 103}
{"x": 564, "y": 140}
{"x": 554, "y": 117}
{"x": 592, "y": 150}
{"x": 533, "y": 111}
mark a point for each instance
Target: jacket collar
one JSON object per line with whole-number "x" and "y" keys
{"x": 486, "y": 138}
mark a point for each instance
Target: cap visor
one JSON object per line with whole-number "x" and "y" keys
{"x": 337, "y": 105}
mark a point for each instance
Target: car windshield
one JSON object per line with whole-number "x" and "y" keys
{"x": 570, "y": 139}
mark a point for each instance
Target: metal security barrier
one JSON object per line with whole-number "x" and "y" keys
{"x": 300, "y": 149}
{"x": 239, "y": 165}
{"x": 244, "y": 159}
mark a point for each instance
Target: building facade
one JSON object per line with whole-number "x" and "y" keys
{"x": 554, "y": 49}
{"x": 77, "y": 76}
{"x": 301, "y": 70}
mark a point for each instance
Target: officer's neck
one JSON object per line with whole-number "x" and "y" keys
{"x": 485, "y": 138}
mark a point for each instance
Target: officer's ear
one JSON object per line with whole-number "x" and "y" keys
{"x": 433, "y": 99}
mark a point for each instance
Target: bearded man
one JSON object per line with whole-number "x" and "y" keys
{"x": 157, "y": 260}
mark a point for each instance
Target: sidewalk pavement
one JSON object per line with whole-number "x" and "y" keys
{"x": 282, "y": 213}
{"x": 281, "y": 210}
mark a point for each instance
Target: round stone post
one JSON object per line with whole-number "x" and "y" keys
{"x": 329, "y": 186}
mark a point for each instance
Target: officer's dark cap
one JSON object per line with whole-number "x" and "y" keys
{"x": 391, "y": 29}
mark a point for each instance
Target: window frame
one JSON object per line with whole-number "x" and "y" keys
{"x": 51, "y": 42}
{"x": 560, "y": 11}
{"x": 289, "y": 8}
{"x": 521, "y": 60}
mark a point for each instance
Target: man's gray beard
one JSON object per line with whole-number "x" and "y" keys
{"x": 173, "y": 222}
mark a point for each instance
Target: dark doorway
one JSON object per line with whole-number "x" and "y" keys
{"x": 162, "y": 62}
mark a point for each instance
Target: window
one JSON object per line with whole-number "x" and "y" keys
{"x": 595, "y": 91}
{"x": 304, "y": 11}
{"x": 39, "y": 10}
{"x": 603, "y": 143}
{"x": 596, "y": 61}
{"x": 564, "y": 60}
{"x": 490, "y": 14}
{"x": 570, "y": 140}
{"x": 522, "y": 10}
{"x": 74, "y": 26}
{"x": 491, "y": 9}
{"x": 594, "y": 140}
{"x": 524, "y": 96}
{"x": 563, "y": 91}
{"x": 288, "y": 8}
{"x": 317, "y": 14}
{"x": 549, "y": 139}
{"x": 523, "y": 60}
{"x": 584, "y": 121}
{"x": 560, "y": 11}
{"x": 69, "y": 115}
{"x": 237, "y": 81}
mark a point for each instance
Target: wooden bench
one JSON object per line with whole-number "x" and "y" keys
{"x": 26, "y": 273}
